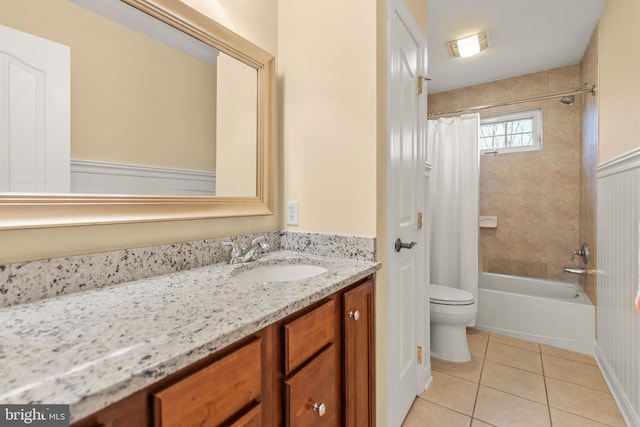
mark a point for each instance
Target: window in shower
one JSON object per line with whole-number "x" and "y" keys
{"x": 511, "y": 132}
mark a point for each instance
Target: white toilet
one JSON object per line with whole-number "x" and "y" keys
{"x": 452, "y": 310}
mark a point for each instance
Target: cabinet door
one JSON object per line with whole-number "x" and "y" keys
{"x": 358, "y": 348}
{"x": 311, "y": 395}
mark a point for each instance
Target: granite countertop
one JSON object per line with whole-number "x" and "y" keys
{"x": 93, "y": 348}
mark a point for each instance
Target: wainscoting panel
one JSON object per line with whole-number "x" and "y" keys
{"x": 618, "y": 322}
{"x": 115, "y": 178}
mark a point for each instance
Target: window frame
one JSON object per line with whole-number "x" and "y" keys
{"x": 533, "y": 113}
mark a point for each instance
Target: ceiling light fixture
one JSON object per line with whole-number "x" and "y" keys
{"x": 468, "y": 46}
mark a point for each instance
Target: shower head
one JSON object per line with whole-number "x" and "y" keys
{"x": 568, "y": 99}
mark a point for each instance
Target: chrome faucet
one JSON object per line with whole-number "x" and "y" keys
{"x": 578, "y": 271}
{"x": 240, "y": 254}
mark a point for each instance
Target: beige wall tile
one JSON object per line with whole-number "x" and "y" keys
{"x": 532, "y": 84}
{"x": 474, "y": 96}
{"x": 536, "y": 269}
{"x": 444, "y": 101}
{"x": 502, "y": 90}
{"x": 563, "y": 211}
{"x": 564, "y": 78}
{"x": 532, "y": 192}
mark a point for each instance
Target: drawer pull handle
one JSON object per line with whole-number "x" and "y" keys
{"x": 320, "y": 408}
{"x": 354, "y": 314}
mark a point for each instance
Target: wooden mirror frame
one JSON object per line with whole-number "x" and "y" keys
{"x": 41, "y": 211}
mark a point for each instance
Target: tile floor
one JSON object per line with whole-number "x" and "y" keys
{"x": 512, "y": 383}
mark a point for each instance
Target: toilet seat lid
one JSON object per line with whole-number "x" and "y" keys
{"x": 440, "y": 294}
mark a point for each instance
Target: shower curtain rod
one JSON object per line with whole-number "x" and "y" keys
{"x": 579, "y": 91}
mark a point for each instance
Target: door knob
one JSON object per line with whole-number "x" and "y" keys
{"x": 354, "y": 314}
{"x": 400, "y": 245}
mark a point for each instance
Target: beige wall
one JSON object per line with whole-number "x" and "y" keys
{"x": 22, "y": 245}
{"x": 535, "y": 195}
{"x": 327, "y": 73}
{"x": 588, "y": 183}
{"x": 619, "y": 71}
{"x": 127, "y": 107}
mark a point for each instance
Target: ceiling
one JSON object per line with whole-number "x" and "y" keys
{"x": 524, "y": 37}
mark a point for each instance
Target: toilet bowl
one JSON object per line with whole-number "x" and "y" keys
{"x": 452, "y": 310}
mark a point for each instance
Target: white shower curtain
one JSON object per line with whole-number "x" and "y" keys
{"x": 453, "y": 201}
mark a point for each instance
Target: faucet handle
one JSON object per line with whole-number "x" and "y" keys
{"x": 259, "y": 239}
{"x": 235, "y": 250}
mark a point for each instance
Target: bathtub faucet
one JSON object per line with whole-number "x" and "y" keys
{"x": 578, "y": 271}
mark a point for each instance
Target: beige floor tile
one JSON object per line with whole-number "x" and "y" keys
{"x": 515, "y": 342}
{"x": 514, "y": 357}
{"x": 477, "y": 334}
{"x": 467, "y": 371}
{"x": 477, "y": 347}
{"x": 567, "y": 354}
{"x": 478, "y": 423}
{"x": 514, "y": 381}
{"x": 502, "y": 409}
{"x": 451, "y": 392}
{"x": 424, "y": 414}
{"x": 564, "y": 419}
{"x": 574, "y": 372}
{"x": 593, "y": 404}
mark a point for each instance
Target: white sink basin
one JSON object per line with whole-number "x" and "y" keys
{"x": 279, "y": 273}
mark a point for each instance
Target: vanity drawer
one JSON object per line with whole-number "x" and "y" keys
{"x": 308, "y": 334}
{"x": 213, "y": 394}
{"x": 317, "y": 384}
{"x": 252, "y": 418}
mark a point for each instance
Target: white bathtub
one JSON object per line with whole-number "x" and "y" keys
{"x": 544, "y": 311}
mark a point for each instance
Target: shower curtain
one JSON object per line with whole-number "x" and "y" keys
{"x": 454, "y": 186}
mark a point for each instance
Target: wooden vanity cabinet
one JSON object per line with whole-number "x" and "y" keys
{"x": 318, "y": 360}
{"x": 358, "y": 355}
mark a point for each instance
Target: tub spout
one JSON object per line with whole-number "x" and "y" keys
{"x": 578, "y": 271}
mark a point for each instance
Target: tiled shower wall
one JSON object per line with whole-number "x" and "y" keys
{"x": 588, "y": 181}
{"x": 535, "y": 195}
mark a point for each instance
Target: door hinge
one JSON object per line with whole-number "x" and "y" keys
{"x": 419, "y": 220}
{"x": 419, "y": 355}
{"x": 420, "y": 80}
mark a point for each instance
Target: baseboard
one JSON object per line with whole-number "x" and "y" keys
{"x": 626, "y": 409}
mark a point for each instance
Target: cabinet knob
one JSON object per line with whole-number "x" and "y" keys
{"x": 354, "y": 314}
{"x": 320, "y": 408}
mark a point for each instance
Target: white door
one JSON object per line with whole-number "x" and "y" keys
{"x": 405, "y": 182}
{"x": 34, "y": 113}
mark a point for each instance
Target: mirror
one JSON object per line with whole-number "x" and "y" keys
{"x": 189, "y": 114}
